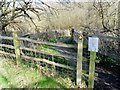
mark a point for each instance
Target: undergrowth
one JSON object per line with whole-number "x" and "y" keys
{"x": 24, "y": 76}
{"x": 109, "y": 63}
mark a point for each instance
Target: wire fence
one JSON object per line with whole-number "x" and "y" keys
{"x": 53, "y": 58}
{"x": 37, "y": 55}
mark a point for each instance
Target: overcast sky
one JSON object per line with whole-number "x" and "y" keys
{"x": 66, "y": 0}
{"x": 77, "y": 0}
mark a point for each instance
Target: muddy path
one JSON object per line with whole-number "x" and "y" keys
{"x": 106, "y": 79}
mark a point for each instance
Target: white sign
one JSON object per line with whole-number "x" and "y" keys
{"x": 93, "y": 44}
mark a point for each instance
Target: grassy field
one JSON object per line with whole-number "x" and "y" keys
{"x": 22, "y": 76}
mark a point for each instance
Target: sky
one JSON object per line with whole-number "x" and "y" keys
{"x": 77, "y": 0}
{"x": 71, "y": 0}
{"x": 66, "y": 0}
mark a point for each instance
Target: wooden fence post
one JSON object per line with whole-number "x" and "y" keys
{"x": 17, "y": 48}
{"x": 72, "y": 35}
{"x": 92, "y": 69}
{"x": 118, "y": 26}
{"x": 79, "y": 60}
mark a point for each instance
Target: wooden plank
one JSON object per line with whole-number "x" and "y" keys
{"x": 48, "y": 43}
{"x": 8, "y": 54}
{"x": 79, "y": 60}
{"x": 92, "y": 70}
{"x": 6, "y": 37}
{"x": 7, "y": 46}
{"x": 37, "y": 59}
{"x": 72, "y": 35}
{"x": 47, "y": 53}
{"x": 48, "y": 62}
{"x": 37, "y": 51}
{"x": 76, "y": 35}
{"x": 17, "y": 48}
{"x": 40, "y": 42}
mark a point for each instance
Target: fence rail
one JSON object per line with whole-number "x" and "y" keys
{"x": 76, "y": 36}
{"x": 40, "y": 42}
{"x": 18, "y": 54}
{"x": 37, "y": 59}
{"x": 36, "y": 51}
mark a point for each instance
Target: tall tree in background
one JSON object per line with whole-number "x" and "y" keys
{"x": 107, "y": 11}
{"x": 10, "y": 10}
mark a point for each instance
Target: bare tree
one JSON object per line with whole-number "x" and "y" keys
{"x": 10, "y": 10}
{"x": 108, "y": 18}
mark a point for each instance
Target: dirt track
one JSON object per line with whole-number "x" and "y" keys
{"x": 106, "y": 80}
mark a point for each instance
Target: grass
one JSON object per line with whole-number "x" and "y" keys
{"x": 49, "y": 49}
{"x": 27, "y": 76}
{"x": 23, "y": 76}
{"x": 3, "y": 82}
{"x": 53, "y": 50}
{"x": 66, "y": 40}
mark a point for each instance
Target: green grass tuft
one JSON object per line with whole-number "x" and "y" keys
{"x": 49, "y": 49}
{"x": 23, "y": 76}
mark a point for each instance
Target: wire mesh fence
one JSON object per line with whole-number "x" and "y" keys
{"x": 55, "y": 59}
{"x": 37, "y": 55}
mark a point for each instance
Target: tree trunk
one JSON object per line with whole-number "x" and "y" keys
{"x": 118, "y": 26}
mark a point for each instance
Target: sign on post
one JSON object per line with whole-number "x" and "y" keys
{"x": 93, "y": 48}
{"x": 93, "y": 44}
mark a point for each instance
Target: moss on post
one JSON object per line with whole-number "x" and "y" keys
{"x": 17, "y": 48}
{"x": 92, "y": 70}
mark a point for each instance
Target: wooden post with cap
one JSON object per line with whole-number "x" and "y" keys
{"x": 79, "y": 60}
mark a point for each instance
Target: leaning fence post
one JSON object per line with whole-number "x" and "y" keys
{"x": 17, "y": 48}
{"x": 79, "y": 60}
